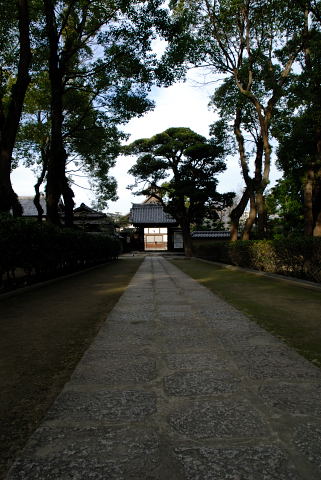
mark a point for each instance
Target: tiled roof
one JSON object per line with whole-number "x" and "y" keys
{"x": 29, "y": 208}
{"x": 210, "y": 234}
{"x": 149, "y": 214}
{"x": 85, "y": 211}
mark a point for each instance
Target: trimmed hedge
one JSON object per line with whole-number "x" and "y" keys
{"x": 32, "y": 250}
{"x": 299, "y": 257}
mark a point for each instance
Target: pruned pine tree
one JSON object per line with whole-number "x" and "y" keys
{"x": 179, "y": 168}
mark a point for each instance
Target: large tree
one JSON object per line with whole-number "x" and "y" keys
{"x": 178, "y": 167}
{"x": 298, "y": 126}
{"x": 104, "y": 49}
{"x": 91, "y": 139}
{"x": 15, "y": 59}
{"x": 241, "y": 117}
{"x": 253, "y": 43}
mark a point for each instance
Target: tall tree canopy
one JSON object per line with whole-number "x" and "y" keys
{"x": 178, "y": 167}
{"x": 298, "y": 125}
{"x": 254, "y": 45}
{"x": 93, "y": 67}
{"x": 104, "y": 49}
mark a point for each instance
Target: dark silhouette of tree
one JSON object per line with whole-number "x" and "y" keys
{"x": 15, "y": 60}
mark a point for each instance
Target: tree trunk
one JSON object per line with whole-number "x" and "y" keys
{"x": 250, "y": 220}
{"x": 9, "y": 122}
{"x": 317, "y": 227}
{"x": 308, "y": 202}
{"x": 317, "y": 207}
{"x": 317, "y": 192}
{"x": 236, "y": 214}
{"x": 261, "y": 215}
{"x": 186, "y": 232}
{"x": 36, "y": 200}
{"x": 188, "y": 248}
{"x": 57, "y": 153}
{"x": 68, "y": 195}
{"x": 37, "y": 203}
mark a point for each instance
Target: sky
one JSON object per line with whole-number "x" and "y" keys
{"x": 181, "y": 105}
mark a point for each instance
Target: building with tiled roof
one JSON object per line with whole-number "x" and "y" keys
{"x": 85, "y": 218}
{"x": 150, "y": 214}
{"x": 155, "y": 229}
{"x": 91, "y": 220}
{"x": 29, "y": 208}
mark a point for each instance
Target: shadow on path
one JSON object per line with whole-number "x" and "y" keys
{"x": 180, "y": 385}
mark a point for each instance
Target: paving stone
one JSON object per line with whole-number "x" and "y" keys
{"x": 230, "y": 326}
{"x": 116, "y": 369}
{"x": 308, "y": 440}
{"x": 195, "y": 361}
{"x": 124, "y": 344}
{"x": 135, "y": 298}
{"x": 187, "y": 317}
{"x": 269, "y": 361}
{"x": 95, "y": 354}
{"x": 135, "y": 329}
{"x": 105, "y": 423}
{"x": 127, "y": 307}
{"x": 176, "y": 307}
{"x": 179, "y": 321}
{"x": 247, "y": 463}
{"x": 237, "y": 341}
{"x": 181, "y": 331}
{"x": 201, "y": 296}
{"x": 129, "y": 317}
{"x": 226, "y": 418}
{"x": 181, "y": 344}
{"x": 294, "y": 398}
{"x": 221, "y": 310}
{"x": 89, "y": 452}
{"x": 201, "y": 383}
{"x": 168, "y": 297}
{"x": 103, "y": 406}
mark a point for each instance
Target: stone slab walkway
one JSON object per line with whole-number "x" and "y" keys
{"x": 180, "y": 385}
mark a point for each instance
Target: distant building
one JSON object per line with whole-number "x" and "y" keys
{"x": 29, "y": 208}
{"x": 91, "y": 220}
{"x": 156, "y": 229}
{"x": 85, "y": 218}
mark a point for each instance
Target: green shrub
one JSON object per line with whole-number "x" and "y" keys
{"x": 296, "y": 257}
{"x": 43, "y": 250}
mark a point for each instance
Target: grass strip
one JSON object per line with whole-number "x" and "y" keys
{"x": 291, "y": 312}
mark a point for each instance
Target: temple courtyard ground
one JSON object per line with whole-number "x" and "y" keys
{"x": 176, "y": 383}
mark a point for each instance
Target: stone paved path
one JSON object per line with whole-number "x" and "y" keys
{"x": 179, "y": 385}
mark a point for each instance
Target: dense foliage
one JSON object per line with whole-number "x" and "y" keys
{"x": 33, "y": 251}
{"x": 72, "y": 72}
{"x": 267, "y": 56}
{"x": 295, "y": 257}
{"x": 90, "y": 71}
